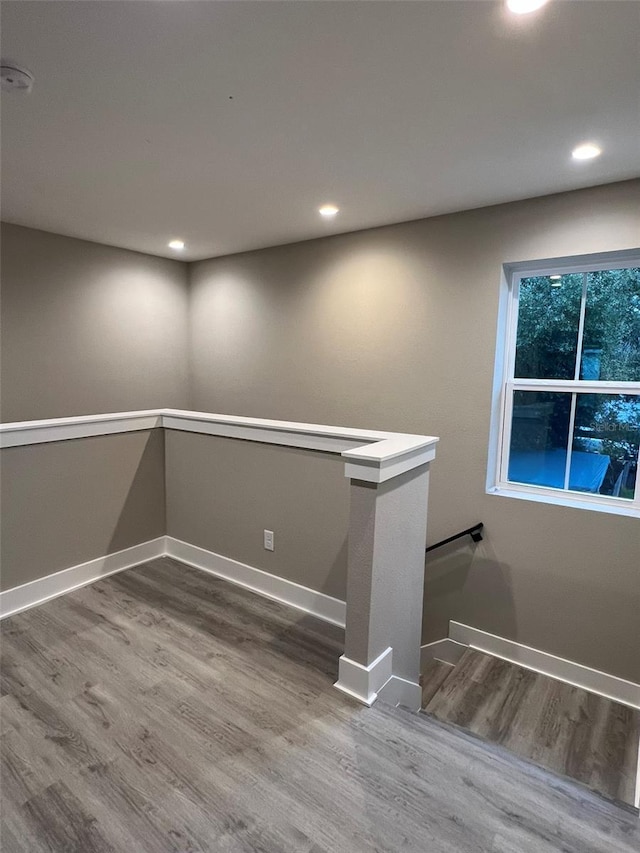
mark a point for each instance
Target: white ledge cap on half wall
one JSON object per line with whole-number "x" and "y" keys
{"x": 369, "y": 455}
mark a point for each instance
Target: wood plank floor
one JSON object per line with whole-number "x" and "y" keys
{"x": 562, "y": 728}
{"x": 164, "y": 710}
{"x": 434, "y": 674}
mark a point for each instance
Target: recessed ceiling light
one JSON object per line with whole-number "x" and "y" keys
{"x": 522, "y": 7}
{"x": 586, "y": 151}
{"x": 328, "y": 210}
{"x": 177, "y": 245}
{"x": 555, "y": 277}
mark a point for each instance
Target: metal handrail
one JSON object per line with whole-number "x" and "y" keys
{"x": 474, "y": 532}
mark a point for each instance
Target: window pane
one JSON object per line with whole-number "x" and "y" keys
{"x": 611, "y": 346}
{"x": 539, "y": 438}
{"x": 605, "y": 444}
{"x": 548, "y": 321}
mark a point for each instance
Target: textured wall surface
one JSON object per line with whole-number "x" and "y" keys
{"x": 222, "y": 493}
{"x": 68, "y": 502}
{"x": 88, "y": 328}
{"x": 392, "y": 328}
{"x": 395, "y": 328}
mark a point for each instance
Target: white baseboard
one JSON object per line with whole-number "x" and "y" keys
{"x": 43, "y": 589}
{"x": 271, "y": 586}
{"x": 625, "y": 692}
{"x": 445, "y": 650}
{"x": 363, "y": 682}
{"x": 636, "y": 799}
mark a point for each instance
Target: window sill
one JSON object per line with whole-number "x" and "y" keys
{"x": 573, "y": 500}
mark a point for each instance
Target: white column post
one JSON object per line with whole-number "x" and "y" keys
{"x": 385, "y": 582}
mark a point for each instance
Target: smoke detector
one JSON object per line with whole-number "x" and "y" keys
{"x": 14, "y": 77}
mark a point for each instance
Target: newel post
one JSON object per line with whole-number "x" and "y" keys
{"x": 385, "y": 580}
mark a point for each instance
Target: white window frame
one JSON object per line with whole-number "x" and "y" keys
{"x": 505, "y": 384}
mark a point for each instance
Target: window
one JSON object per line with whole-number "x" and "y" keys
{"x": 566, "y": 417}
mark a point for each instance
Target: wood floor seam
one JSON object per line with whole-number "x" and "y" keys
{"x": 580, "y": 735}
{"x": 163, "y": 710}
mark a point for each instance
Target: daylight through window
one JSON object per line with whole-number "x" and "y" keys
{"x": 570, "y": 401}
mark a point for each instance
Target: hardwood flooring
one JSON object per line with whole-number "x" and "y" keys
{"x": 164, "y": 710}
{"x": 433, "y": 677}
{"x": 562, "y": 728}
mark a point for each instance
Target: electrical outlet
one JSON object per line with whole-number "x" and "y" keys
{"x": 268, "y": 540}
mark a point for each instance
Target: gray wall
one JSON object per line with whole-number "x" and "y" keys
{"x": 68, "y": 502}
{"x": 222, "y": 493}
{"x": 88, "y": 328}
{"x": 394, "y": 329}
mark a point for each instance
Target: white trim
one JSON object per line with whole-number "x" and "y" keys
{"x": 266, "y": 435}
{"x": 593, "y": 680}
{"x": 572, "y": 426}
{"x": 575, "y": 500}
{"x": 577, "y": 386}
{"x": 617, "y": 259}
{"x": 369, "y": 454}
{"x": 445, "y": 650}
{"x": 318, "y": 604}
{"x": 363, "y": 682}
{"x": 201, "y": 421}
{"x": 36, "y": 592}
{"x": 60, "y": 429}
{"x": 373, "y": 472}
{"x": 505, "y": 384}
{"x": 636, "y": 799}
{"x": 583, "y": 315}
{"x": 44, "y": 589}
{"x": 505, "y": 306}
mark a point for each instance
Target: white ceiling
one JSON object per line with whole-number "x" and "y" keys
{"x": 229, "y": 123}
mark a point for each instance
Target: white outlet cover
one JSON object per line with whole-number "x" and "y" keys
{"x": 268, "y": 540}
